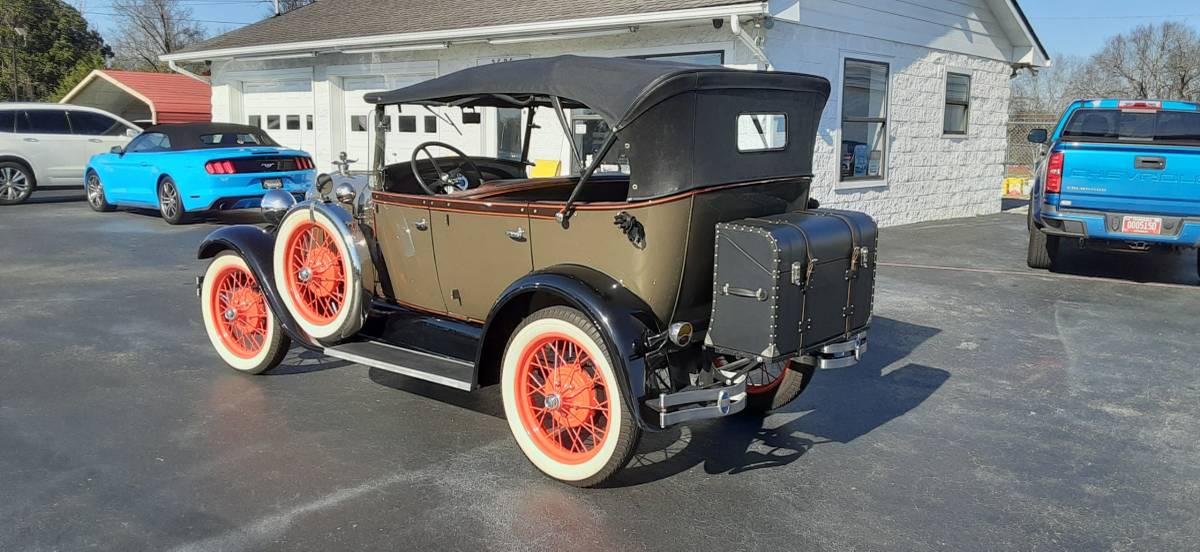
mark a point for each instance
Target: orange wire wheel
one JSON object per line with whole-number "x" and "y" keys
{"x": 316, "y": 274}
{"x": 237, "y": 318}
{"x": 564, "y": 398}
{"x": 239, "y": 312}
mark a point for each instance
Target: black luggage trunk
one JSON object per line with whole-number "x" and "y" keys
{"x": 786, "y": 284}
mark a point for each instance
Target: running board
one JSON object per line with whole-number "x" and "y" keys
{"x": 438, "y": 369}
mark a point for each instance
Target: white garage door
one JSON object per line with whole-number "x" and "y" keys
{"x": 283, "y": 108}
{"x": 405, "y": 129}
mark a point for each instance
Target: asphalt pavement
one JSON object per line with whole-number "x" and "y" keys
{"x": 999, "y": 408}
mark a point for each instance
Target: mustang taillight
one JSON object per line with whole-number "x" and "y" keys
{"x": 220, "y": 167}
{"x": 1054, "y": 173}
{"x": 304, "y": 163}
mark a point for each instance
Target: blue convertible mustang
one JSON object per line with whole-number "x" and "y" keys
{"x": 185, "y": 168}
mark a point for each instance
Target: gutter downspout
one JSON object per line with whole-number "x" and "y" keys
{"x": 735, "y": 26}
{"x": 176, "y": 68}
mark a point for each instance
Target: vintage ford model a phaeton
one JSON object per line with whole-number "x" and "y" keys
{"x": 702, "y": 283}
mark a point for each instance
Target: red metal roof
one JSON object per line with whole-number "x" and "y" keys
{"x": 174, "y": 98}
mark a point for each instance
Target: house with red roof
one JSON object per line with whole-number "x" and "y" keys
{"x": 145, "y": 98}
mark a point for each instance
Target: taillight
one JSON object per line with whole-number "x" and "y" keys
{"x": 220, "y": 167}
{"x": 1054, "y": 173}
{"x": 305, "y": 163}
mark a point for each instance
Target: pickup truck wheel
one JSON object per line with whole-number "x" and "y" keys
{"x": 238, "y": 320}
{"x": 773, "y": 385}
{"x": 16, "y": 183}
{"x": 563, "y": 401}
{"x": 1043, "y": 249}
{"x": 95, "y": 194}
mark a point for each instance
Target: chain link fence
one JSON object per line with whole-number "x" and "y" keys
{"x": 1021, "y": 156}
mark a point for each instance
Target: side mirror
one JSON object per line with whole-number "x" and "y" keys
{"x": 1038, "y": 136}
{"x": 132, "y": 132}
{"x": 117, "y": 150}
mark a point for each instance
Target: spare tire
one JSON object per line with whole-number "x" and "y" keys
{"x": 317, "y": 276}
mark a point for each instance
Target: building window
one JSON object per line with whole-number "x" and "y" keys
{"x": 864, "y": 120}
{"x": 406, "y": 123}
{"x": 430, "y": 124}
{"x": 272, "y": 122}
{"x": 293, "y": 122}
{"x": 309, "y": 121}
{"x": 958, "y": 103}
{"x": 358, "y": 123}
{"x": 255, "y": 121}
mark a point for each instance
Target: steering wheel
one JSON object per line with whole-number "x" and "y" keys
{"x": 455, "y": 180}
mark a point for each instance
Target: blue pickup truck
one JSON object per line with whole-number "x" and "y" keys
{"x": 1119, "y": 175}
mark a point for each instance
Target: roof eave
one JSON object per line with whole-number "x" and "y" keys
{"x": 477, "y": 33}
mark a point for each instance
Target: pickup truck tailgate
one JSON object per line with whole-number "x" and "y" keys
{"x": 1131, "y": 178}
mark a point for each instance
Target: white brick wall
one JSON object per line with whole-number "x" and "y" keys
{"x": 929, "y": 176}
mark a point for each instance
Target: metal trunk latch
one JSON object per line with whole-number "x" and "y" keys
{"x": 802, "y": 276}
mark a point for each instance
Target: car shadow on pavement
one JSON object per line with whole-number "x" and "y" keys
{"x": 1160, "y": 267}
{"x": 302, "y": 361}
{"x": 235, "y": 216}
{"x": 839, "y": 406}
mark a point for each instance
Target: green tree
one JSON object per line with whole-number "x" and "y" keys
{"x": 57, "y": 46}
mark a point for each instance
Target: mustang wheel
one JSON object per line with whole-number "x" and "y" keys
{"x": 16, "y": 183}
{"x": 773, "y": 385}
{"x": 314, "y": 268}
{"x": 95, "y": 193}
{"x": 563, "y": 401}
{"x": 240, "y": 325}
{"x": 170, "y": 203}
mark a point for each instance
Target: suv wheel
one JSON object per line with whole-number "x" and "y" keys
{"x": 16, "y": 183}
{"x": 170, "y": 204}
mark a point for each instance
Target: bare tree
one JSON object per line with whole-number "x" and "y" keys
{"x": 1047, "y": 91}
{"x": 1151, "y": 61}
{"x": 287, "y": 5}
{"x": 151, "y": 28}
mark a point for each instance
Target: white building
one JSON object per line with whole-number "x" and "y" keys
{"x": 915, "y": 128}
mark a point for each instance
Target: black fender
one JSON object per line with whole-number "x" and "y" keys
{"x": 623, "y": 318}
{"x": 257, "y": 246}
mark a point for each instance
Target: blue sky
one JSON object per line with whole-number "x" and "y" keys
{"x": 1071, "y": 27}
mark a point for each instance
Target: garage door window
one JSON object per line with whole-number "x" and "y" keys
{"x": 358, "y": 123}
{"x": 430, "y": 124}
{"x": 272, "y": 122}
{"x": 406, "y": 123}
{"x": 256, "y": 121}
{"x": 293, "y": 122}
{"x": 308, "y": 123}
{"x": 864, "y": 120}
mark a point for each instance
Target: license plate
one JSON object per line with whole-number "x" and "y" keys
{"x": 1142, "y": 225}
{"x": 272, "y": 183}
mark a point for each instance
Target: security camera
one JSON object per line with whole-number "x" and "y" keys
{"x": 718, "y": 23}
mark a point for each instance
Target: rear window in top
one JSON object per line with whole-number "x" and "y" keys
{"x": 233, "y": 139}
{"x": 1113, "y": 125}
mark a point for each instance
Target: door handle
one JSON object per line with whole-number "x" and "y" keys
{"x": 422, "y": 225}
{"x": 32, "y": 140}
{"x": 1151, "y": 163}
{"x": 516, "y": 235}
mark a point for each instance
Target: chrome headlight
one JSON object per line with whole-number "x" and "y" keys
{"x": 275, "y": 204}
{"x": 344, "y": 193}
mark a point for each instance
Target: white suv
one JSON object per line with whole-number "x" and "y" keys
{"x": 48, "y": 145}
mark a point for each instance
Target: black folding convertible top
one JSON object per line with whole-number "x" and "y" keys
{"x": 186, "y": 136}
{"x": 618, "y": 89}
{"x": 677, "y": 123}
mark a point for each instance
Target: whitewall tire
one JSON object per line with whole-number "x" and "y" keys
{"x": 563, "y": 401}
{"x": 237, "y": 318}
{"x": 314, "y": 272}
